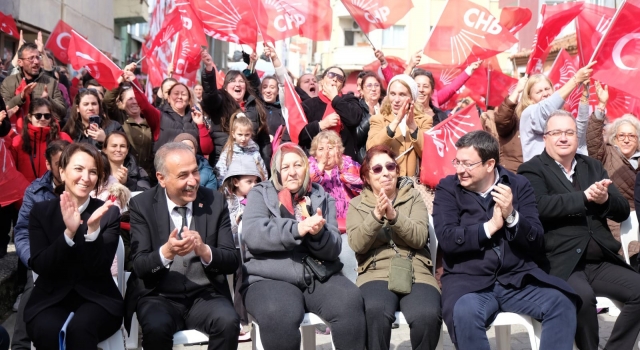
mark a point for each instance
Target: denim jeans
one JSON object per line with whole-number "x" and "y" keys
{"x": 474, "y": 312}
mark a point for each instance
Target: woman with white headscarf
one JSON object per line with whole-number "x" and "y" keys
{"x": 401, "y": 123}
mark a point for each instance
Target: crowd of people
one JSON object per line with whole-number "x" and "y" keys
{"x": 204, "y": 182}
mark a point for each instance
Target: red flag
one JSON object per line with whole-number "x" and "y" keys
{"x": 591, "y": 24}
{"x": 170, "y": 27}
{"x": 467, "y": 32}
{"x": 515, "y": 18}
{"x": 553, "y": 20}
{"x": 396, "y": 64}
{"x": 381, "y": 14}
{"x": 231, "y": 20}
{"x": 12, "y": 182}
{"x": 58, "y": 41}
{"x": 186, "y": 59}
{"x": 154, "y": 71}
{"x": 307, "y": 18}
{"x": 191, "y": 22}
{"x": 82, "y": 54}
{"x": 501, "y": 85}
{"x": 562, "y": 70}
{"x": 8, "y": 25}
{"x": 618, "y": 56}
{"x": 439, "y": 144}
{"x": 442, "y": 74}
{"x": 292, "y": 112}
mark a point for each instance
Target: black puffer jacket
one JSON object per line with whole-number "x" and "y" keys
{"x": 108, "y": 129}
{"x": 137, "y": 177}
{"x": 172, "y": 125}
{"x": 362, "y": 132}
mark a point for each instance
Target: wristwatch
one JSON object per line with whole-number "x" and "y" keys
{"x": 511, "y": 218}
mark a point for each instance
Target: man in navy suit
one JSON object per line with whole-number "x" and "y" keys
{"x": 181, "y": 248}
{"x": 487, "y": 226}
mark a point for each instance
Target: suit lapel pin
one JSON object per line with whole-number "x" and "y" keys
{"x": 199, "y": 205}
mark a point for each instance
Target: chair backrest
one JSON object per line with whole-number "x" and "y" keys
{"x": 120, "y": 257}
{"x": 628, "y": 233}
{"x": 433, "y": 243}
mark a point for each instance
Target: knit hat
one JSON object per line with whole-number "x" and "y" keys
{"x": 407, "y": 80}
{"x": 188, "y": 137}
{"x": 243, "y": 164}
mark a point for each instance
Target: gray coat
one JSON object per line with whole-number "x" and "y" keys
{"x": 275, "y": 249}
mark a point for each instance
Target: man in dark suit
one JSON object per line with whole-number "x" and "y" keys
{"x": 181, "y": 248}
{"x": 575, "y": 198}
{"x": 487, "y": 226}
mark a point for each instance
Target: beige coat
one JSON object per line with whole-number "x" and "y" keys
{"x": 409, "y": 163}
{"x": 369, "y": 238}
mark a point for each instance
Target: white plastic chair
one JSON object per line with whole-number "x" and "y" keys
{"x": 628, "y": 233}
{"x": 116, "y": 341}
{"x": 307, "y": 327}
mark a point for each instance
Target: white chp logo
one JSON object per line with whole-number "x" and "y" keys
{"x": 479, "y": 24}
{"x": 288, "y": 16}
{"x": 373, "y": 12}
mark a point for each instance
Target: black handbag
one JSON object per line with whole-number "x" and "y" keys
{"x": 321, "y": 270}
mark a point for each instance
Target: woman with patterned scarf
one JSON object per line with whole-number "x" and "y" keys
{"x": 288, "y": 219}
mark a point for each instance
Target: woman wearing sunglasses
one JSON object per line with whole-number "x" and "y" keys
{"x": 332, "y": 110}
{"x": 28, "y": 148}
{"x": 387, "y": 228}
{"x": 401, "y": 123}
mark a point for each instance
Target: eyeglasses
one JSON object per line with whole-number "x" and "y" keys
{"x": 372, "y": 86}
{"x": 467, "y": 166}
{"x": 377, "y": 169}
{"x": 338, "y": 77}
{"x": 39, "y": 116}
{"x": 558, "y": 133}
{"x": 32, "y": 58}
{"x": 631, "y": 137}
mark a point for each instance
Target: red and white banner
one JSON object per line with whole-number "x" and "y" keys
{"x": 439, "y": 144}
{"x": 82, "y": 53}
{"x": 396, "y": 64}
{"x": 465, "y": 33}
{"x": 8, "y": 25}
{"x": 231, "y": 20}
{"x": 292, "y": 112}
{"x": 552, "y": 20}
{"x": 12, "y": 182}
{"x": 380, "y": 14}
{"x": 562, "y": 70}
{"x": 186, "y": 59}
{"x": 307, "y": 18}
{"x": 591, "y": 24}
{"x": 618, "y": 56}
{"x": 58, "y": 41}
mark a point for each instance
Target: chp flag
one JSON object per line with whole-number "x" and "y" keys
{"x": 591, "y": 24}
{"x": 618, "y": 53}
{"x": 439, "y": 144}
{"x": 82, "y": 54}
{"x": 377, "y": 14}
{"x": 311, "y": 19}
{"x": 292, "y": 112}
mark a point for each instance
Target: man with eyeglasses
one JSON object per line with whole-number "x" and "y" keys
{"x": 37, "y": 82}
{"x": 575, "y": 198}
{"x": 487, "y": 225}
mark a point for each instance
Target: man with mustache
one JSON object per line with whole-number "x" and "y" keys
{"x": 181, "y": 249}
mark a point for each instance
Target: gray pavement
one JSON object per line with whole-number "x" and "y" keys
{"x": 400, "y": 337}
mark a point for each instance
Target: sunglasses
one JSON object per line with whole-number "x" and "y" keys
{"x": 46, "y": 116}
{"x": 391, "y": 167}
{"x": 339, "y": 77}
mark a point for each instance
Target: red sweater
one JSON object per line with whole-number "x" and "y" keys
{"x": 38, "y": 139}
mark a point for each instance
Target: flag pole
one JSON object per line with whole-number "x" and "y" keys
{"x": 488, "y": 86}
{"x": 370, "y": 42}
{"x": 604, "y": 36}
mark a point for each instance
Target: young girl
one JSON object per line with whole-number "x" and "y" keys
{"x": 239, "y": 142}
{"x": 243, "y": 173}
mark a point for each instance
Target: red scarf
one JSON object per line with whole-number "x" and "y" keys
{"x": 330, "y": 110}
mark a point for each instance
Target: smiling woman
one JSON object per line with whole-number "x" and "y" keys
{"x": 122, "y": 164}
{"x": 87, "y": 122}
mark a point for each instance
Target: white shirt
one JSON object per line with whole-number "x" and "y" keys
{"x": 568, "y": 175}
{"x": 88, "y": 237}
{"x": 177, "y": 222}
{"x": 484, "y": 195}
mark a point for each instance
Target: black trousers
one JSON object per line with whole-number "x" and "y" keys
{"x": 614, "y": 282}
{"x": 4, "y": 339}
{"x": 8, "y": 218}
{"x": 208, "y": 312}
{"x": 90, "y": 325}
{"x": 421, "y": 309}
{"x": 20, "y": 340}
{"x": 279, "y": 307}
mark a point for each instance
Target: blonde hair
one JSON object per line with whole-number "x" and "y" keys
{"x": 237, "y": 119}
{"x": 526, "y": 94}
{"x": 331, "y": 136}
{"x": 612, "y": 129}
{"x": 385, "y": 108}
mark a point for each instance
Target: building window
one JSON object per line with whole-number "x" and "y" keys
{"x": 349, "y": 38}
{"x": 394, "y": 36}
